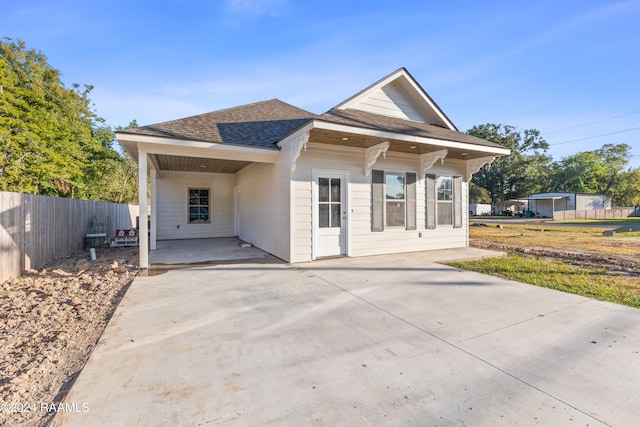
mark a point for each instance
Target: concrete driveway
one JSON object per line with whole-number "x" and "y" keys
{"x": 388, "y": 340}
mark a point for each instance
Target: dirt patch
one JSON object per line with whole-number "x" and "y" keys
{"x": 50, "y": 321}
{"x": 615, "y": 264}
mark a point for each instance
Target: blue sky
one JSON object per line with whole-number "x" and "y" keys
{"x": 570, "y": 69}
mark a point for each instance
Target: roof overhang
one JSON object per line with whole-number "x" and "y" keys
{"x": 194, "y": 156}
{"x": 547, "y": 197}
{"x": 353, "y": 136}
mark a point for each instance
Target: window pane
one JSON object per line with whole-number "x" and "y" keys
{"x": 395, "y": 214}
{"x": 390, "y": 184}
{"x": 204, "y": 214}
{"x": 323, "y": 189}
{"x": 323, "y": 215}
{"x": 198, "y": 214}
{"x": 445, "y": 213}
{"x": 335, "y": 215}
{"x": 445, "y": 188}
{"x": 335, "y": 190}
{"x": 198, "y": 205}
{"x": 394, "y": 186}
{"x": 193, "y": 214}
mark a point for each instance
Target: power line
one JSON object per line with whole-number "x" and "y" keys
{"x": 592, "y": 123}
{"x": 596, "y": 136}
{"x": 587, "y": 87}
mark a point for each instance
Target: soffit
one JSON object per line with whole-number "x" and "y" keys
{"x": 198, "y": 164}
{"x": 325, "y": 136}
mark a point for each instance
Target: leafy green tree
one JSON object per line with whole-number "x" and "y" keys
{"x": 598, "y": 171}
{"x": 628, "y": 189}
{"x": 478, "y": 194}
{"x": 524, "y": 172}
{"x": 51, "y": 142}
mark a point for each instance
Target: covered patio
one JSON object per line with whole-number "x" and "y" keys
{"x": 203, "y": 251}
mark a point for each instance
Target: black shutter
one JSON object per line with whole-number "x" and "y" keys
{"x": 377, "y": 200}
{"x": 457, "y": 202}
{"x": 411, "y": 201}
{"x": 430, "y": 214}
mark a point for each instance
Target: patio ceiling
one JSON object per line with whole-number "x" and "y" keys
{"x": 325, "y": 136}
{"x": 198, "y": 164}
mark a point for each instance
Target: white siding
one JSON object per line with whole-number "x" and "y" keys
{"x": 362, "y": 240}
{"x": 172, "y": 207}
{"x": 396, "y": 100}
{"x": 391, "y": 100}
{"x": 264, "y": 205}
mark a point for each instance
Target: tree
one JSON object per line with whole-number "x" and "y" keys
{"x": 598, "y": 171}
{"x": 478, "y": 194}
{"x": 524, "y": 172}
{"x": 628, "y": 189}
{"x": 51, "y": 142}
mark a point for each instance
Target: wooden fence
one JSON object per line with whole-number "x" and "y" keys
{"x": 594, "y": 214}
{"x": 39, "y": 229}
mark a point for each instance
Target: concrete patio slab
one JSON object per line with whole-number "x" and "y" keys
{"x": 387, "y": 340}
{"x": 197, "y": 251}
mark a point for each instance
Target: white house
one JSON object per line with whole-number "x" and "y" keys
{"x": 385, "y": 171}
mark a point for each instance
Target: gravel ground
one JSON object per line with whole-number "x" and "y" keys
{"x": 50, "y": 321}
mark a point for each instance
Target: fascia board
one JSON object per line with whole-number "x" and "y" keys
{"x": 296, "y": 134}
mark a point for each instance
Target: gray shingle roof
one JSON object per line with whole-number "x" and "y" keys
{"x": 406, "y": 127}
{"x": 261, "y": 124}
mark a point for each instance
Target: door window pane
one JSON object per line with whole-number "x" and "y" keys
{"x": 323, "y": 189}
{"x": 335, "y": 215}
{"x": 335, "y": 190}
{"x": 323, "y": 215}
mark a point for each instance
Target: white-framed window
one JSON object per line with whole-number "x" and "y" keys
{"x": 199, "y": 206}
{"x": 444, "y": 188}
{"x": 395, "y": 200}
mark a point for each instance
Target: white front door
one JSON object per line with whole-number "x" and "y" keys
{"x": 330, "y": 210}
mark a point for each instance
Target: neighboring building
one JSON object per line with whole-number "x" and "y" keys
{"x": 385, "y": 171}
{"x": 545, "y": 204}
{"x": 477, "y": 209}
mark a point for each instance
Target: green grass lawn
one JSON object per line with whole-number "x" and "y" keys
{"x": 562, "y": 276}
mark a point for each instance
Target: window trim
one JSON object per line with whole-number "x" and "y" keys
{"x": 404, "y": 200}
{"x": 440, "y": 202}
{"x": 432, "y": 203}
{"x": 189, "y": 205}
{"x": 379, "y": 200}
